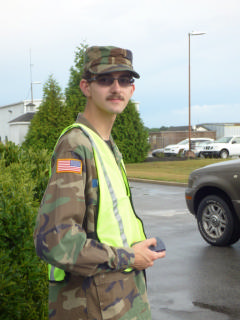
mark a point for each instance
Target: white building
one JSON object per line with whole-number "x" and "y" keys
{"x": 15, "y": 119}
{"x": 223, "y": 129}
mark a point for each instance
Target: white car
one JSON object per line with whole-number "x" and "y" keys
{"x": 157, "y": 152}
{"x": 183, "y": 146}
{"x": 223, "y": 148}
{"x": 199, "y": 147}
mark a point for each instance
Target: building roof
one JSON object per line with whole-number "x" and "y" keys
{"x": 203, "y": 125}
{"x": 12, "y": 104}
{"x": 26, "y": 117}
{"x": 220, "y": 124}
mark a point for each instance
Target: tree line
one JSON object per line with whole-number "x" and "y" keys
{"x": 59, "y": 110}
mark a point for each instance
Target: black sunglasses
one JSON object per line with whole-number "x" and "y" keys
{"x": 106, "y": 81}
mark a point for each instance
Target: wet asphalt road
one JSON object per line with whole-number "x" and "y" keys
{"x": 194, "y": 281}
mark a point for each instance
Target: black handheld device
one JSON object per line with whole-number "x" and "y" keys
{"x": 159, "y": 247}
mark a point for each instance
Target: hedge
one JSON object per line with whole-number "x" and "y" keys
{"x": 23, "y": 276}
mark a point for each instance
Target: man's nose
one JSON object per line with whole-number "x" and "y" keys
{"x": 115, "y": 86}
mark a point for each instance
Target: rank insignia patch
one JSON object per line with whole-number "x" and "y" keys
{"x": 69, "y": 165}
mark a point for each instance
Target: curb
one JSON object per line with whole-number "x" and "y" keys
{"x": 168, "y": 183}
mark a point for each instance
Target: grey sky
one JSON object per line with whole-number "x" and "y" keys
{"x": 157, "y": 33}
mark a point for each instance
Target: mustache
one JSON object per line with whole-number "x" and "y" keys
{"x": 115, "y": 96}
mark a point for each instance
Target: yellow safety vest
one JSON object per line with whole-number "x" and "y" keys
{"x": 117, "y": 223}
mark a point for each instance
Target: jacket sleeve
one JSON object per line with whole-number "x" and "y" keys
{"x": 68, "y": 213}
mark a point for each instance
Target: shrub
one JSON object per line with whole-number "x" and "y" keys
{"x": 9, "y": 152}
{"x": 38, "y": 164}
{"x": 23, "y": 277}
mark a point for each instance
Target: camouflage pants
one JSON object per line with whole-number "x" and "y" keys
{"x": 107, "y": 296}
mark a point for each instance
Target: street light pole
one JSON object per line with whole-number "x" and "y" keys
{"x": 193, "y": 33}
{"x": 189, "y": 94}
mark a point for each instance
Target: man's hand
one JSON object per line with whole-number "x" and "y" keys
{"x": 144, "y": 257}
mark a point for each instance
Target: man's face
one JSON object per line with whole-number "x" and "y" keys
{"x": 106, "y": 95}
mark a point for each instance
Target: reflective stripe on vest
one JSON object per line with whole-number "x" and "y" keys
{"x": 117, "y": 224}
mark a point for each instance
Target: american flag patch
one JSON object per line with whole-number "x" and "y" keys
{"x": 69, "y": 165}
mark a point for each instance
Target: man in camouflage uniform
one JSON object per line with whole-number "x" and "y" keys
{"x": 96, "y": 285}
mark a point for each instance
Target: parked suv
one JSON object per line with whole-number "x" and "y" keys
{"x": 223, "y": 148}
{"x": 199, "y": 148}
{"x": 183, "y": 146}
{"x": 213, "y": 197}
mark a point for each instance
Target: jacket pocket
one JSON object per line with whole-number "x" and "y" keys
{"x": 119, "y": 296}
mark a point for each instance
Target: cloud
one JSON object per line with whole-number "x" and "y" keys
{"x": 208, "y": 113}
{"x": 200, "y": 114}
{"x": 157, "y": 33}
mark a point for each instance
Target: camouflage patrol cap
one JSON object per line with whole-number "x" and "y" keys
{"x": 108, "y": 59}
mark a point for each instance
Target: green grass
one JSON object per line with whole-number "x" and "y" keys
{"x": 171, "y": 171}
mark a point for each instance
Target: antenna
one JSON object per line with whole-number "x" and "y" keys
{"x": 36, "y": 82}
{"x": 31, "y": 76}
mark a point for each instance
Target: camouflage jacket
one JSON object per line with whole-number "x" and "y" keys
{"x": 95, "y": 286}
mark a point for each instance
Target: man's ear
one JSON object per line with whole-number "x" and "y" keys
{"x": 133, "y": 89}
{"x": 84, "y": 86}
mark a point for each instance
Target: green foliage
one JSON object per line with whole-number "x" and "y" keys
{"x": 162, "y": 128}
{"x": 38, "y": 164}
{"x": 39, "y": 168}
{"x": 128, "y": 132}
{"x": 75, "y": 99}
{"x": 130, "y": 135}
{"x": 50, "y": 120}
{"x": 54, "y": 115}
{"x": 9, "y": 152}
{"x": 23, "y": 277}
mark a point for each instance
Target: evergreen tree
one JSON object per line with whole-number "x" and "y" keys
{"x": 75, "y": 99}
{"x": 128, "y": 131}
{"x": 130, "y": 135}
{"x": 51, "y": 118}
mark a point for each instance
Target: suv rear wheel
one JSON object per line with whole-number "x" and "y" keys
{"x": 216, "y": 222}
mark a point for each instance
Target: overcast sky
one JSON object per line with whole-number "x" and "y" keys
{"x": 157, "y": 33}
